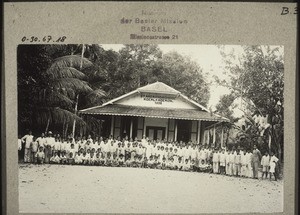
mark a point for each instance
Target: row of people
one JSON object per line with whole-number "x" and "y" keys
{"x": 235, "y": 162}
{"x": 114, "y": 160}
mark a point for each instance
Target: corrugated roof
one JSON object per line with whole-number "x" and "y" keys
{"x": 125, "y": 110}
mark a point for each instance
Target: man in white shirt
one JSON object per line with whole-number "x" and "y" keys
{"x": 243, "y": 163}
{"x": 28, "y": 138}
{"x": 41, "y": 141}
{"x": 82, "y": 143}
{"x": 49, "y": 143}
{"x": 149, "y": 149}
{"x": 144, "y": 141}
{"x": 105, "y": 149}
{"x": 19, "y": 148}
{"x": 265, "y": 162}
{"x": 56, "y": 147}
{"x": 90, "y": 139}
{"x": 202, "y": 155}
{"x": 274, "y": 166}
{"x": 110, "y": 139}
{"x": 193, "y": 152}
{"x": 249, "y": 164}
{"x": 101, "y": 142}
{"x": 222, "y": 158}
{"x": 186, "y": 153}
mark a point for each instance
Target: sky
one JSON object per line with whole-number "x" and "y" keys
{"x": 207, "y": 56}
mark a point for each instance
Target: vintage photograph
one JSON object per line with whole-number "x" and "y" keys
{"x": 150, "y": 128}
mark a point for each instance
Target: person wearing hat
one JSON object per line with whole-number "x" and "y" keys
{"x": 49, "y": 143}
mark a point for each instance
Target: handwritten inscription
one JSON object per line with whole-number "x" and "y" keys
{"x": 287, "y": 10}
{"x": 45, "y": 39}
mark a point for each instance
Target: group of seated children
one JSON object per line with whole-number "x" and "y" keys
{"x": 90, "y": 157}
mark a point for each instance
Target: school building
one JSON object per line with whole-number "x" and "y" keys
{"x": 159, "y": 112}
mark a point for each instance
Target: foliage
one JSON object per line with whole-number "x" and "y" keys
{"x": 52, "y": 77}
{"x": 257, "y": 78}
{"x": 184, "y": 75}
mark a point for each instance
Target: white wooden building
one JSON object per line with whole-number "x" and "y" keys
{"x": 159, "y": 112}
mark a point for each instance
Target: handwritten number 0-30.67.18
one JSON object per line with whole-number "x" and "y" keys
{"x": 45, "y": 39}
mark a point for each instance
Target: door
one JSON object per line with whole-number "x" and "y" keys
{"x": 155, "y": 133}
{"x": 184, "y": 130}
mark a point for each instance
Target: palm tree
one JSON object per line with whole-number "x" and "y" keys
{"x": 65, "y": 82}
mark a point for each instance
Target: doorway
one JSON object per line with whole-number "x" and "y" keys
{"x": 155, "y": 133}
{"x": 184, "y": 130}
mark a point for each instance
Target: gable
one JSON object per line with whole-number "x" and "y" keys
{"x": 157, "y": 100}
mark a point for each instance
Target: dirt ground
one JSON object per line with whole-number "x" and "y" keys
{"x": 75, "y": 189}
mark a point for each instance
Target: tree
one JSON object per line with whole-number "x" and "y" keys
{"x": 184, "y": 75}
{"x": 257, "y": 79}
{"x": 49, "y": 87}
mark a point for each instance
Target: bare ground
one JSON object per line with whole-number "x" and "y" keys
{"x": 75, "y": 189}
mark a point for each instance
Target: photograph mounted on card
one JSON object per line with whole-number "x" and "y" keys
{"x": 150, "y": 107}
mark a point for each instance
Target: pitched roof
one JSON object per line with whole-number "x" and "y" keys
{"x": 126, "y": 110}
{"x": 158, "y": 87}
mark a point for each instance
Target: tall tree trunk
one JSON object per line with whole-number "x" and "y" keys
{"x": 76, "y": 104}
{"x": 47, "y": 127}
{"x": 66, "y": 131}
{"x": 63, "y": 129}
{"x": 74, "y": 122}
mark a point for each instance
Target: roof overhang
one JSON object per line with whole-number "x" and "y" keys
{"x": 175, "y": 113}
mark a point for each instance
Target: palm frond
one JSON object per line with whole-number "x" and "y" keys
{"x": 50, "y": 97}
{"x": 56, "y": 115}
{"x": 72, "y": 83}
{"x": 92, "y": 123}
{"x": 65, "y": 72}
{"x": 71, "y": 61}
{"x": 96, "y": 97}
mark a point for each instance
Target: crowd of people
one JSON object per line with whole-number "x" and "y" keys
{"x": 146, "y": 153}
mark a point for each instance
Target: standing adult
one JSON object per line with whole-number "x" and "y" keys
{"x": 49, "y": 143}
{"x": 256, "y": 157}
{"x": 19, "y": 149}
{"x": 41, "y": 141}
{"x": 28, "y": 138}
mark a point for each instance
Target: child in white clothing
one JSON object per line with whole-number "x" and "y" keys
{"x": 273, "y": 164}
{"x": 265, "y": 162}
